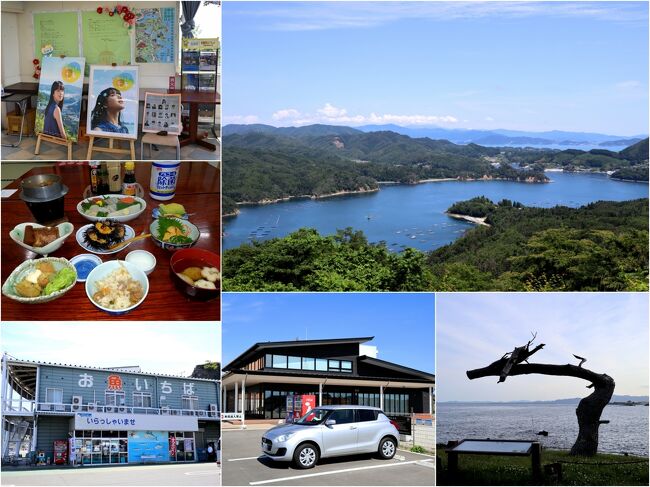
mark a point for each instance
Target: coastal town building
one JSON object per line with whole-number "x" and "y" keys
{"x": 69, "y": 414}
{"x": 259, "y": 382}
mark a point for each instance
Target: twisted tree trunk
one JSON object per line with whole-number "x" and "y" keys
{"x": 589, "y": 409}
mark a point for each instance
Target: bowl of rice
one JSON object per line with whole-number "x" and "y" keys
{"x": 117, "y": 287}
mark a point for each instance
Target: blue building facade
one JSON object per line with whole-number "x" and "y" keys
{"x": 106, "y": 416}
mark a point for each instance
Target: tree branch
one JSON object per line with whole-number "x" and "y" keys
{"x": 495, "y": 368}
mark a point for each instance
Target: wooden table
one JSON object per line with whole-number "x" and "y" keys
{"x": 194, "y": 99}
{"x": 198, "y": 189}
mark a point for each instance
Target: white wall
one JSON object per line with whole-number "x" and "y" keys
{"x": 152, "y": 75}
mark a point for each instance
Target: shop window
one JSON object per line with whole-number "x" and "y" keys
{"x": 142, "y": 399}
{"x": 54, "y": 395}
{"x": 295, "y": 363}
{"x": 308, "y": 363}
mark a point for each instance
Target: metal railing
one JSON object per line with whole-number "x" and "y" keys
{"x": 68, "y": 409}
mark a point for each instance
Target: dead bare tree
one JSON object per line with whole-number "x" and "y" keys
{"x": 589, "y": 409}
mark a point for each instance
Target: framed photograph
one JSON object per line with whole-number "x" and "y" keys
{"x": 162, "y": 111}
{"x": 113, "y": 97}
{"x": 59, "y": 97}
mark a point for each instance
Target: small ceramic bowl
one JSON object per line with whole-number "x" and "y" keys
{"x": 194, "y": 234}
{"x": 18, "y": 235}
{"x": 85, "y": 263}
{"x": 103, "y": 270}
{"x": 19, "y": 273}
{"x": 142, "y": 259}
{"x": 184, "y": 258}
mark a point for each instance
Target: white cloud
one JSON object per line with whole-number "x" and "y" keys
{"x": 489, "y": 119}
{"x": 330, "y": 114}
{"x": 306, "y": 16}
{"x": 331, "y": 111}
{"x": 246, "y": 119}
{"x": 289, "y": 113}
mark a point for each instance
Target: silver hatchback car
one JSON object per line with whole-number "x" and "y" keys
{"x": 331, "y": 431}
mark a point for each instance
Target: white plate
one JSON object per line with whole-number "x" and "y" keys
{"x": 128, "y": 233}
{"x": 122, "y": 218}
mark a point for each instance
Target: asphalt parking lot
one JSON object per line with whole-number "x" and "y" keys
{"x": 180, "y": 474}
{"x": 243, "y": 464}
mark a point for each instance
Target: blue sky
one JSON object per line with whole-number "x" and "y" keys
{"x": 513, "y": 65}
{"x": 169, "y": 348}
{"x": 402, "y": 324}
{"x": 473, "y": 330}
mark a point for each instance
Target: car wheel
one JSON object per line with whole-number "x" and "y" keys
{"x": 305, "y": 456}
{"x": 387, "y": 448}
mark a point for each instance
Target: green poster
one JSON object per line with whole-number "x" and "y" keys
{"x": 56, "y": 29}
{"x": 105, "y": 39}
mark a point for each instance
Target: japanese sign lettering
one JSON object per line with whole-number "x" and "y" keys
{"x": 114, "y": 383}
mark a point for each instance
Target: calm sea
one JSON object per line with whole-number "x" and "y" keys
{"x": 627, "y": 430}
{"x": 413, "y": 216}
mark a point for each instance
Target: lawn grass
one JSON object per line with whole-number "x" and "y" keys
{"x": 500, "y": 470}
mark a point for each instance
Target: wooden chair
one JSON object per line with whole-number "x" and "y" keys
{"x": 166, "y": 140}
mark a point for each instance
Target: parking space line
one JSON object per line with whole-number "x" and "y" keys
{"x": 356, "y": 469}
{"x": 246, "y": 458}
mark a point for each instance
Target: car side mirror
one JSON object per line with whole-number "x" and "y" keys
{"x": 330, "y": 422}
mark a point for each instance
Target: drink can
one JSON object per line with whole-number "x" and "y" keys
{"x": 164, "y": 176}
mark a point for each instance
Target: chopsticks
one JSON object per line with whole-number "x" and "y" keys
{"x": 125, "y": 242}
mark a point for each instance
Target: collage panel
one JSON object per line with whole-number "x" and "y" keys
{"x": 111, "y": 240}
{"x": 79, "y": 80}
{"x": 130, "y": 404}
{"x": 328, "y": 389}
{"x": 466, "y": 153}
{"x": 551, "y": 389}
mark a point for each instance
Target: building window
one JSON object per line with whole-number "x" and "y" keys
{"x": 54, "y": 395}
{"x": 335, "y": 365}
{"x": 346, "y": 366}
{"x": 268, "y": 360}
{"x": 141, "y": 399}
{"x": 308, "y": 363}
{"x": 321, "y": 364}
{"x": 190, "y": 402}
{"x": 279, "y": 361}
{"x": 114, "y": 398}
{"x": 295, "y": 363}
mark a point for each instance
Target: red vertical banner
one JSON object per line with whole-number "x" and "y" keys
{"x": 172, "y": 446}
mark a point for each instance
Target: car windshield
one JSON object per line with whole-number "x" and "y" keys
{"x": 313, "y": 417}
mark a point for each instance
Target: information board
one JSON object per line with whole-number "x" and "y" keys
{"x": 105, "y": 39}
{"x": 154, "y": 35}
{"x": 59, "y": 30}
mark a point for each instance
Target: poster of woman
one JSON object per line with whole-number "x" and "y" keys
{"x": 113, "y": 101}
{"x": 59, "y": 97}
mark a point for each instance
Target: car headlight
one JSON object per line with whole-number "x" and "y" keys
{"x": 283, "y": 438}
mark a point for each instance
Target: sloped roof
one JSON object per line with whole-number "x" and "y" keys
{"x": 243, "y": 358}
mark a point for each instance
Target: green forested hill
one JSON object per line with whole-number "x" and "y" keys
{"x": 255, "y": 175}
{"x": 266, "y": 165}
{"x": 637, "y": 153}
{"x": 598, "y": 247}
